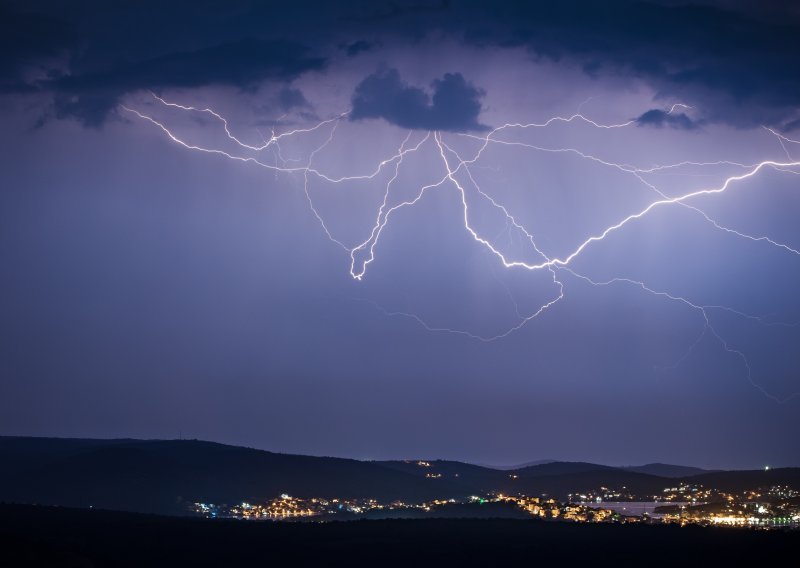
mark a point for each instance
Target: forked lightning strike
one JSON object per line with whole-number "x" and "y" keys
{"x": 363, "y": 253}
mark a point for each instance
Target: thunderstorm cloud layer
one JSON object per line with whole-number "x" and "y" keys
{"x": 423, "y": 228}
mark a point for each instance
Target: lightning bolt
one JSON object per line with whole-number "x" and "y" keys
{"x": 457, "y": 174}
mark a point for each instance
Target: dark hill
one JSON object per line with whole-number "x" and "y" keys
{"x": 560, "y": 486}
{"x": 554, "y": 478}
{"x": 161, "y": 476}
{"x": 445, "y": 467}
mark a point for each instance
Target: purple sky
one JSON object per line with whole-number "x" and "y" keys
{"x": 154, "y": 290}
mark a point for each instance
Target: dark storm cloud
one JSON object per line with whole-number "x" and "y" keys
{"x": 734, "y": 60}
{"x": 383, "y": 11}
{"x": 26, "y": 39}
{"x": 354, "y": 48}
{"x": 289, "y": 99}
{"x": 454, "y": 105}
{"x": 90, "y": 97}
{"x": 737, "y": 67}
{"x": 659, "y": 118}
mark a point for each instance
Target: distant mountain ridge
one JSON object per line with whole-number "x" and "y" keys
{"x": 163, "y": 476}
{"x": 660, "y": 469}
{"x": 667, "y": 470}
{"x": 518, "y": 466}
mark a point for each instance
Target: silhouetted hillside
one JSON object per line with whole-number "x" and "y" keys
{"x": 556, "y": 479}
{"x": 161, "y": 476}
{"x": 472, "y": 478}
{"x": 560, "y": 486}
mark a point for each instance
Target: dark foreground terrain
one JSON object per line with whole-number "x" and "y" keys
{"x": 49, "y": 536}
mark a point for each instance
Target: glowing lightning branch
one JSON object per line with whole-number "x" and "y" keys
{"x": 250, "y": 159}
{"x": 655, "y": 204}
{"x": 782, "y": 140}
{"x": 272, "y": 140}
{"x": 382, "y": 216}
{"x": 454, "y": 167}
{"x": 678, "y": 200}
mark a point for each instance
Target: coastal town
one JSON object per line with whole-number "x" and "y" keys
{"x": 775, "y": 507}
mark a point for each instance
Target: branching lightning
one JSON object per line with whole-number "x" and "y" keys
{"x": 457, "y": 173}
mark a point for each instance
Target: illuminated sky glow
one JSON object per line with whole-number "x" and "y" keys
{"x": 408, "y": 236}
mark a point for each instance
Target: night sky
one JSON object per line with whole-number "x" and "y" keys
{"x": 164, "y": 278}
